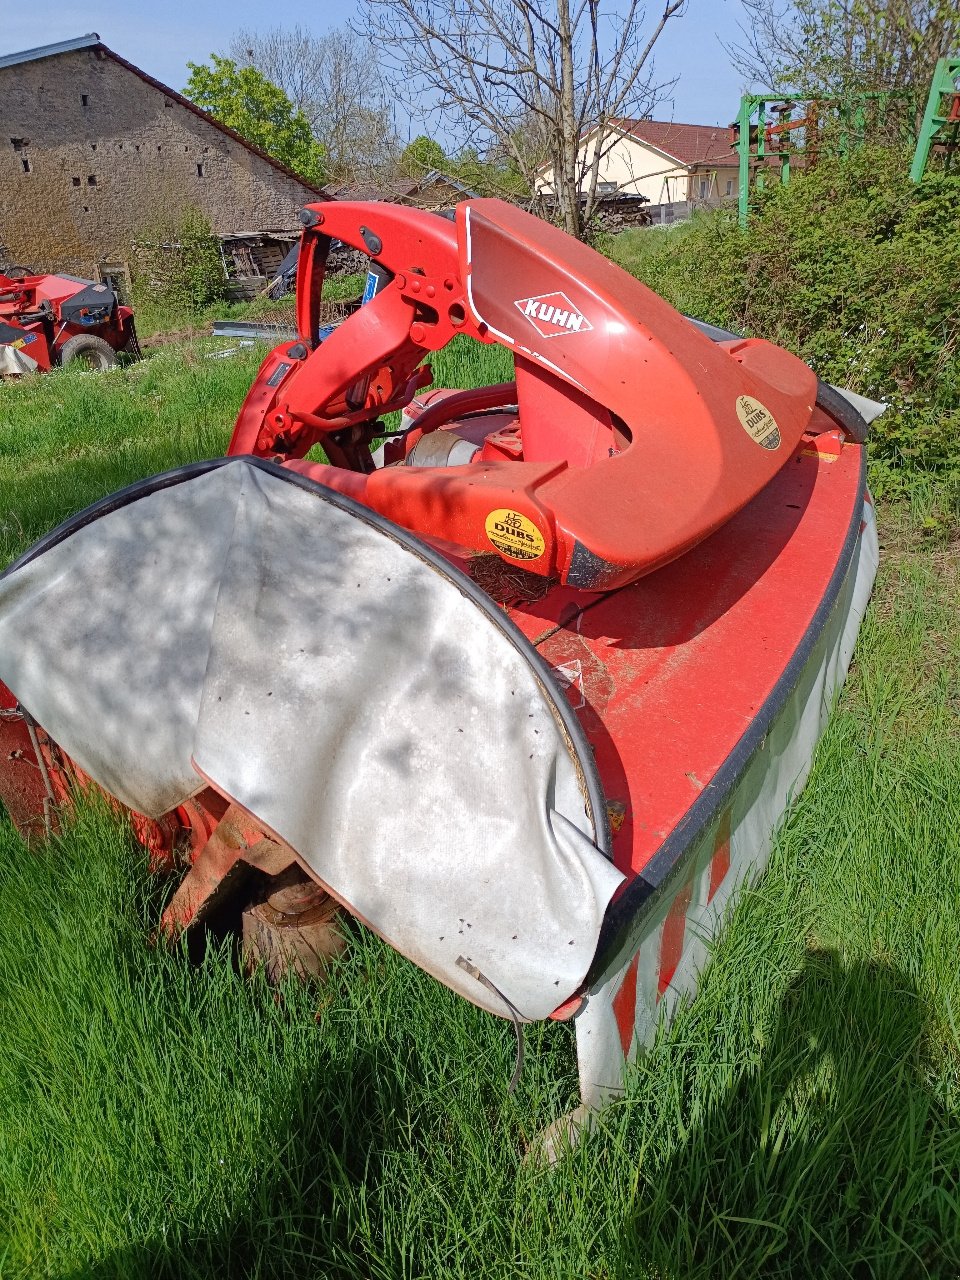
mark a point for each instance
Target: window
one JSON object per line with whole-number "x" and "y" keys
{"x": 704, "y": 187}
{"x": 18, "y": 145}
{"x": 76, "y": 182}
{"x": 84, "y": 99}
{"x": 92, "y": 180}
{"x": 199, "y": 170}
{"x": 729, "y": 186}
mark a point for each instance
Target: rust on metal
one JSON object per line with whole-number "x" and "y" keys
{"x": 296, "y": 931}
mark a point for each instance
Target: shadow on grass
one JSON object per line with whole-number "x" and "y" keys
{"x": 830, "y": 1158}
{"x": 291, "y": 1219}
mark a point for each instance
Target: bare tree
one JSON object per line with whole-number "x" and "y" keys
{"x": 527, "y": 79}
{"x": 828, "y": 48}
{"x": 333, "y": 81}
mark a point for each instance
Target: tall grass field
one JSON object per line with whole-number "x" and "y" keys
{"x": 166, "y": 1118}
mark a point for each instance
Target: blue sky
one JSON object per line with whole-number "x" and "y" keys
{"x": 161, "y": 38}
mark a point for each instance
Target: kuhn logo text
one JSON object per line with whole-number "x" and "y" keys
{"x": 553, "y": 315}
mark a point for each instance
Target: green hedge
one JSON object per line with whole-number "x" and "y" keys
{"x": 854, "y": 268}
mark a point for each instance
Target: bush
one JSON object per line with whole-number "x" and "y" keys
{"x": 853, "y": 267}
{"x": 177, "y": 266}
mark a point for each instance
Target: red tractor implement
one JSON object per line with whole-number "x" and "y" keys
{"x": 526, "y": 688}
{"x": 54, "y": 320}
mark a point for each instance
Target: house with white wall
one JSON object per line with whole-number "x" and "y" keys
{"x": 663, "y": 161}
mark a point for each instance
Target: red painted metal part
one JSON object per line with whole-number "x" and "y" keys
{"x": 31, "y": 318}
{"x": 638, "y": 435}
{"x": 625, "y": 1005}
{"x": 671, "y": 937}
{"x": 665, "y": 671}
{"x": 23, "y": 789}
{"x": 640, "y": 667}
{"x": 213, "y": 838}
{"x": 720, "y": 862}
{"x": 667, "y": 674}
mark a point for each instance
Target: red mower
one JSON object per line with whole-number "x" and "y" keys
{"x": 527, "y": 690}
{"x": 59, "y": 320}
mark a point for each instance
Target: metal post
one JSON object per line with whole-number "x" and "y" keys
{"x": 743, "y": 150}
{"x": 761, "y": 104}
{"x": 945, "y": 83}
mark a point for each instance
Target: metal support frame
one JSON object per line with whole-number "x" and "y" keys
{"x": 765, "y": 122}
{"x": 941, "y": 118}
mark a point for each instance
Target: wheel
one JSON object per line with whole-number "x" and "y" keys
{"x": 88, "y": 350}
{"x": 295, "y": 930}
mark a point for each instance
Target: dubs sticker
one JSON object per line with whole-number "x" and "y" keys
{"x": 758, "y": 422}
{"x": 514, "y": 535}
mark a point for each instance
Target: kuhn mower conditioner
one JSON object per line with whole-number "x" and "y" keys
{"x": 528, "y": 689}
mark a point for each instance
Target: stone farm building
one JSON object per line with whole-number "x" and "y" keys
{"x": 94, "y": 152}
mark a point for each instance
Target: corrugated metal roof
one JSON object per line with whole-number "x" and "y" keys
{"x": 49, "y": 50}
{"x": 392, "y": 190}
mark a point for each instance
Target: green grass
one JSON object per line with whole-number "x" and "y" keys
{"x": 156, "y": 318}
{"x": 68, "y": 438}
{"x": 799, "y": 1118}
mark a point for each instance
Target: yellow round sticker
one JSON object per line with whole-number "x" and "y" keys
{"x": 514, "y": 535}
{"x": 758, "y": 422}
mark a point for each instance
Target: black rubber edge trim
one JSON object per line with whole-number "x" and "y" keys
{"x": 713, "y": 331}
{"x": 596, "y": 802}
{"x": 829, "y": 399}
{"x": 839, "y": 408}
{"x": 670, "y": 860}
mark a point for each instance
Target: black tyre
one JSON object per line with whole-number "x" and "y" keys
{"x": 89, "y": 351}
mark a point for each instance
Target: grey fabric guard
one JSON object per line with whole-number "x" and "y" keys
{"x": 343, "y": 690}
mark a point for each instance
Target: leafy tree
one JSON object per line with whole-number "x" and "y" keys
{"x": 422, "y": 155}
{"x": 833, "y": 47}
{"x": 253, "y": 106}
{"x": 333, "y": 80}
{"x": 492, "y": 175}
{"x": 495, "y": 174}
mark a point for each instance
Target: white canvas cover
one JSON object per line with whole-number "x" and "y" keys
{"x": 344, "y": 688}
{"x": 14, "y": 362}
